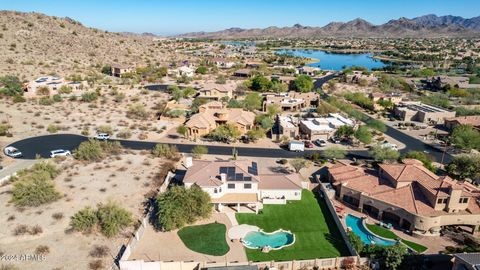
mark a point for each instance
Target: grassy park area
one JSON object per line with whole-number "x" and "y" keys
{"x": 316, "y": 234}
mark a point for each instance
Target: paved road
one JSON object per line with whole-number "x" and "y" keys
{"x": 42, "y": 145}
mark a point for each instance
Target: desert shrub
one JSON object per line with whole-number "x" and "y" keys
{"x": 35, "y": 186}
{"x": 65, "y": 89}
{"x": 84, "y": 220}
{"x": 36, "y": 230}
{"x": 105, "y": 129}
{"x": 165, "y": 151}
{"x": 57, "y": 98}
{"x": 45, "y": 101}
{"x": 20, "y": 230}
{"x": 112, "y": 218}
{"x": 99, "y": 251}
{"x": 199, "y": 150}
{"x": 4, "y": 129}
{"x": 137, "y": 111}
{"x": 124, "y": 134}
{"x": 92, "y": 150}
{"x": 18, "y": 99}
{"x": 89, "y": 96}
{"x": 57, "y": 216}
{"x": 8, "y": 267}
{"x": 42, "y": 250}
{"x": 43, "y": 90}
{"x": 96, "y": 265}
{"x": 52, "y": 128}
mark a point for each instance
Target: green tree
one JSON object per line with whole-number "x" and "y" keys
{"x": 278, "y": 87}
{"x": 11, "y": 85}
{"x": 273, "y": 110}
{"x": 189, "y": 92}
{"x": 356, "y": 242}
{"x": 303, "y": 83}
{"x": 177, "y": 94}
{"x": 201, "y": 70}
{"x": 363, "y": 134}
{"x": 225, "y": 133}
{"x": 199, "y": 150}
{"x": 165, "y": 151}
{"x": 394, "y": 255}
{"x": 255, "y": 134}
{"x": 299, "y": 163}
{"x": 182, "y": 130}
{"x": 345, "y": 131}
{"x": 113, "y": 218}
{"x": 324, "y": 108}
{"x": 107, "y": 70}
{"x": 84, "y": 220}
{"x": 260, "y": 83}
{"x": 421, "y": 156}
{"x": 334, "y": 152}
{"x": 252, "y": 101}
{"x": 464, "y": 167}
{"x": 179, "y": 206}
{"x": 465, "y": 137}
{"x": 381, "y": 154}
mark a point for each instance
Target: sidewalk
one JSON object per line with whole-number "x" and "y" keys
{"x": 11, "y": 169}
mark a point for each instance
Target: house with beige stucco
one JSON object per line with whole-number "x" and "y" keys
{"x": 214, "y": 114}
{"x": 291, "y": 101}
{"x": 217, "y": 91}
{"x": 408, "y": 195}
{"x": 235, "y": 183}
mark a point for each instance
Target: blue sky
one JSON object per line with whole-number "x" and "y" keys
{"x": 180, "y": 16}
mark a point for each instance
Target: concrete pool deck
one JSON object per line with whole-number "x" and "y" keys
{"x": 167, "y": 246}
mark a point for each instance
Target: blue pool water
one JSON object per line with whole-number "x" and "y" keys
{"x": 336, "y": 61}
{"x": 275, "y": 240}
{"x": 357, "y": 227}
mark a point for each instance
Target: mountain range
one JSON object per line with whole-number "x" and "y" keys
{"x": 430, "y": 26}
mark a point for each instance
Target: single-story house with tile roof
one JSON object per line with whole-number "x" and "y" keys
{"x": 409, "y": 195}
{"x": 238, "y": 182}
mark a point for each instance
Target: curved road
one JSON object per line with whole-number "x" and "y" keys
{"x": 42, "y": 145}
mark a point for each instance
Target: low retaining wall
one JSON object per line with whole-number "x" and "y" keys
{"x": 274, "y": 201}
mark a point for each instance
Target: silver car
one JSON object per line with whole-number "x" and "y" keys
{"x": 59, "y": 153}
{"x": 12, "y": 152}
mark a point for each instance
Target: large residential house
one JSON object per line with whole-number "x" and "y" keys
{"x": 408, "y": 195}
{"x": 473, "y": 120}
{"x": 118, "y": 70}
{"x": 238, "y": 183}
{"x": 51, "y": 82}
{"x": 419, "y": 112}
{"x": 216, "y": 91}
{"x": 214, "y": 114}
{"x": 221, "y": 62}
{"x": 291, "y": 101}
{"x": 324, "y": 127}
{"x": 187, "y": 71}
{"x": 307, "y": 70}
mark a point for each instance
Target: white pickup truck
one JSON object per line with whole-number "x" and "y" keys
{"x": 296, "y": 146}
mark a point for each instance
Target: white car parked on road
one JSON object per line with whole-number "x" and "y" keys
{"x": 102, "y": 136}
{"x": 59, "y": 153}
{"x": 12, "y": 152}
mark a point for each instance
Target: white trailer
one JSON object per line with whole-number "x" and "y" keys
{"x": 296, "y": 146}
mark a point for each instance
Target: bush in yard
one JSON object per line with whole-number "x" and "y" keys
{"x": 89, "y": 96}
{"x": 52, "y": 128}
{"x": 18, "y": 99}
{"x": 334, "y": 152}
{"x": 225, "y": 133}
{"x": 11, "y": 85}
{"x": 45, "y": 101}
{"x": 4, "y": 129}
{"x": 99, "y": 251}
{"x": 84, "y": 220}
{"x": 464, "y": 167}
{"x": 124, "y": 134}
{"x": 427, "y": 162}
{"x": 137, "y": 111}
{"x": 57, "y": 98}
{"x": 466, "y": 137}
{"x": 299, "y": 163}
{"x": 363, "y": 134}
{"x": 182, "y": 130}
{"x": 179, "y": 206}
{"x": 113, "y": 218}
{"x": 95, "y": 150}
{"x": 165, "y": 151}
{"x": 35, "y": 186}
{"x": 199, "y": 150}
{"x": 381, "y": 154}
{"x": 105, "y": 129}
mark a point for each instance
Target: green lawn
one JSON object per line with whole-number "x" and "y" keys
{"x": 207, "y": 239}
{"x": 316, "y": 234}
{"x": 383, "y": 232}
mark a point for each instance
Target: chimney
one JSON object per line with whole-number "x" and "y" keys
{"x": 223, "y": 177}
{"x": 188, "y": 162}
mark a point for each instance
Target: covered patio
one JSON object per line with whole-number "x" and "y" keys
{"x": 237, "y": 200}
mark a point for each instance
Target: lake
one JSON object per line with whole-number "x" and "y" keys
{"x": 336, "y": 61}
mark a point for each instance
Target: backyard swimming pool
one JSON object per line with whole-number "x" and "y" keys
{"x": 275, "y": 240}
{"x": 356, "y": 225}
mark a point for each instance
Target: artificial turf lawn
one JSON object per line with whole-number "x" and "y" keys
{"x": 386, "y": 233}
{"x": 206, "y": 239}
{"x": 316, "y": 234}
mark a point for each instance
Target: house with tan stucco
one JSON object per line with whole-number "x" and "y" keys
{"x": 216, "y": 91}
{"x": 214, "y": 114}
{"x": 235, "y": 183}
{"x": 408, "y": 195}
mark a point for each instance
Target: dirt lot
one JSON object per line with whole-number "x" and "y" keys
{"x": 125, "y": 179}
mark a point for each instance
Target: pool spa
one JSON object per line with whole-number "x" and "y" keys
{"x": 356, "y": 225}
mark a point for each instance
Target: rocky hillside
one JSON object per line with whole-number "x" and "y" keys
{"x": 34, "y": 44}
{"x": 425, "y": 26}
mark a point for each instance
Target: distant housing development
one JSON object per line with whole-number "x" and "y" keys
{"x": 409, "y": 195}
